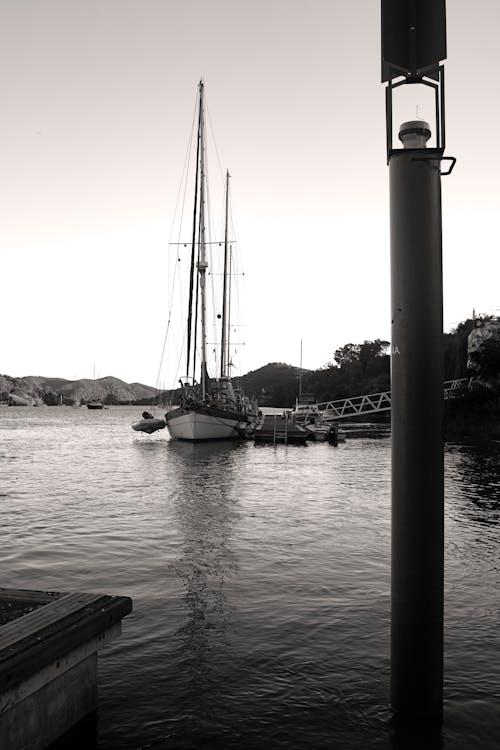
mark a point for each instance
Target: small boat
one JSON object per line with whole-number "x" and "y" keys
{"x": 308, "y": 414}
{"x": 325, "y": 431}
{"x": 306, "y": 408}
{"x": 208, "y": 408}
{"x": 149, "y": 425}
{"x": 95, "y": 405}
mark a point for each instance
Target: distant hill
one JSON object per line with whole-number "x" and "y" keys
{"x": 275, "y": 384}
{"x": 34, "y": 390}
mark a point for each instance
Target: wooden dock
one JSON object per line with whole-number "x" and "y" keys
{"x": 48, "y": 661}
{"x": 280, "y": 428}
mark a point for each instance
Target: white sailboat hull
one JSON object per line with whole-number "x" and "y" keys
{"x": 194, "y": 425}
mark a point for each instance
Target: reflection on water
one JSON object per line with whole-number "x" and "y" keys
{"x": 476, "y": 471}
{"x": 204, "y": 507}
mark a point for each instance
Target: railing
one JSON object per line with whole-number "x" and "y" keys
{"x": 452, "y": 386}
{"x": 375, "y": 402}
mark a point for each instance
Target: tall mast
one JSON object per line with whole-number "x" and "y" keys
{"x": 223, "y": 363}
{"x": 202, "y": 260}
{"x": 230, "y": 276}
{"x": 193, "y": 243}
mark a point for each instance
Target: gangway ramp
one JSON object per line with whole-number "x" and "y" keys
{"x": 372, "y": 403}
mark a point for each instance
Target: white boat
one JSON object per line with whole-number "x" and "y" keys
{"x": 209, "y": 408}
{"x": 199, "y": 422}
{"x": 325, "y": 431}
{"x": 308, "y": 414}
{"x": 306, "y": 407}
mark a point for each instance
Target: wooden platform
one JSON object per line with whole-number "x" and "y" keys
{"x": 48, "y": 661}
{"x": 277, "y": 428}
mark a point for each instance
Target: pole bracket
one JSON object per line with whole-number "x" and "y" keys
{"x": 429, "y": 153}
{"x": 453, "y": 161}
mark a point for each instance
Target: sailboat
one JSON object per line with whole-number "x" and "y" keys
{"x": 208, "y": 408}
{"x": 95, "y": 404}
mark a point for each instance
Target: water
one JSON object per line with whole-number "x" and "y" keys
{"x": 259, "y": 578}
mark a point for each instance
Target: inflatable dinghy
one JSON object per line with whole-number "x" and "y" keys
{"x": 149, "y": 425}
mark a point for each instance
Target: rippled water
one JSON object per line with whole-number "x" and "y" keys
{"x": 259, "y": 577}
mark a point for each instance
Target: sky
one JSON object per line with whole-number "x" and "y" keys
{"x": 97, "y": 108}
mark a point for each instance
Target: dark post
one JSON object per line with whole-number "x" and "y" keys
{"x": 413, "y": 44}
{"x": 417, "y": 414}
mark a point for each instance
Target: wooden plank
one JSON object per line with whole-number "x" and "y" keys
{"x": 28, "y": 596}
{"x": 34, "y": 683}
{"x": 64, "y": 629}
{"x": 43, "y": 617}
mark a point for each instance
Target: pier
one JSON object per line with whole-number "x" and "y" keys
{"x": 48, "y": 661}
{"x": 280, "y": 428}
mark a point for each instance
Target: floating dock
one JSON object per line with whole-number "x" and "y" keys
{"x": 279, "y": 428}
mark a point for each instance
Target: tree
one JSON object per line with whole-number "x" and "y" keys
{"x": 347, "y": 355}
{"x": 486, "y": 360}
{"x": 369, "y": 351}
{"x": 365, "y": 353}
{"x": 455, "y": 350}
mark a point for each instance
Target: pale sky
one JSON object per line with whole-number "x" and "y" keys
{"x": 97, "y": 105}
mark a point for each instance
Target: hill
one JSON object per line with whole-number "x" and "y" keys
{"x": 356, "y": 369}
{"x": 35, "y": 390}
{"x": 275, "y": 384}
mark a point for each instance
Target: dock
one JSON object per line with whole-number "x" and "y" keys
{"x": 280, "y": 428}
{"x": 48, "y": 661}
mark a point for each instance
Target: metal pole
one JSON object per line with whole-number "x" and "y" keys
{"x": 417, "y": 442}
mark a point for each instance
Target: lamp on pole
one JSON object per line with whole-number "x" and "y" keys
{"x": 413, "y": 46}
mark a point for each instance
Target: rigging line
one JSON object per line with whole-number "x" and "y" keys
{"x": 201, "y": 209}
{"x": 211, "y": 233}
{"x": 215, "y": 145}
{"x": 176, "y": 376}
{"x": 234, "y": 228}
{"x": 232, "y": 203}
{"x": 238, "y": 269}
{"x": 211, "y": 226}
{"x": 184, "y": 179}
{"x": 179, "y": 353}
{"x": 197, "y": 304}
{"x": 181, "y": 218}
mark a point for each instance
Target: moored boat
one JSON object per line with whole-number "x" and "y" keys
{"x": 208, "y": 408}
{"x": 149, "y": 425}
{"x": 325, "y": 431}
